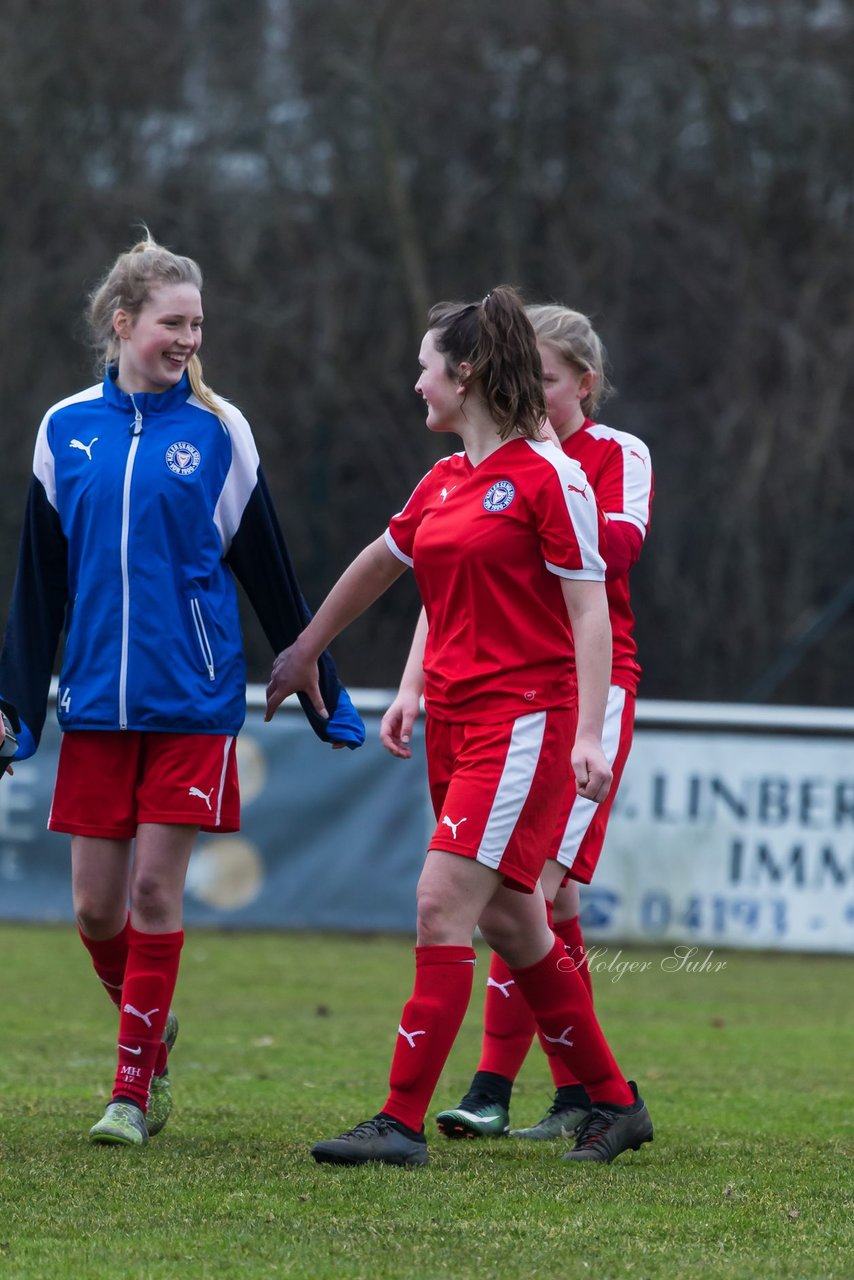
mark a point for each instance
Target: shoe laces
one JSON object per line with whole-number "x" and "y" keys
{"x": 125, "y": 1109}
{"x": 593, "y": 1128}
{"x": 376, "y": 1127}
{"x": 559, "y": 1108}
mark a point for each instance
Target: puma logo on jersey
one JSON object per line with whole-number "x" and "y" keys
{"x": 634, "y": 453}
{"x": 146, "y": 1017}
{"x": 561, "y": 1039}
{"x": 446, "y": 493}
{"x": 502, "y": 986}
{"x": 446, "y": 822}
{"x": 87, "y": 448}
{"x": 583, "y": 492}
{"x": 206, "y": 796}
{"x": 409, "y": 1036}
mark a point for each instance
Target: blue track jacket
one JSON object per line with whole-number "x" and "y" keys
{"x": 142, "y": 510}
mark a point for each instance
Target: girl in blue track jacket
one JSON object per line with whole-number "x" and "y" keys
{"x": 147, "y": 500}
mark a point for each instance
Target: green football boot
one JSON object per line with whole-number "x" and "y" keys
{"x": 560, "y": 1121}
{"x": 477, "y": 1116}
{"x": 160, "y": 1089}
{"x": 122, "y": 1124}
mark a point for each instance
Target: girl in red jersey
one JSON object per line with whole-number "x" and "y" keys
{"x": 504, "y": 543}
{"x": 619, "y": 469}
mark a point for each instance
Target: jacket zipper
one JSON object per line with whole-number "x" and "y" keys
{"x": 136, "y": 431}
{"x": 202, "y": 636}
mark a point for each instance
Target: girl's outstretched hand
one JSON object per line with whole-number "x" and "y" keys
{"x": 294, "y": 671}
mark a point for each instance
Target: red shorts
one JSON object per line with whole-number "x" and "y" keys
{"x": 498, "y": 790}
{"x": 583, "y": 835}
{"x": 108, "y": 783}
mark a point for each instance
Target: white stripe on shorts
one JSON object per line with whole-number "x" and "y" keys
{"x": 582, "y": 811}
{"x": 229, "y": 743}
{"x": 520, "y": 766}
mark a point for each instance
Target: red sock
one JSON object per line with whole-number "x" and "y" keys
{"x": 428, "y": 1028}
{"x": 569, "y": 933}
{"x": 150, "y": 977}
{"x": 508, "y": 1024}
{"x": 109, "y": 957}
{"x": 564, "y": 1014}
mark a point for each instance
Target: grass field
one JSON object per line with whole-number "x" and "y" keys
{"x": 287, "y": 1038}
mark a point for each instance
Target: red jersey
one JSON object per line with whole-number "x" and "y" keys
{"x": 620, "y": 470}
{"x": 489, "y": 545}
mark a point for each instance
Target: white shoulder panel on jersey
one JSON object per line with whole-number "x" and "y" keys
{"x": 583, "y": 512}
{"x": 637, "y": 475}
{"x": 44, "y": 463}
{"x": 623, "y": 438}
{"x": 242, "y": 474}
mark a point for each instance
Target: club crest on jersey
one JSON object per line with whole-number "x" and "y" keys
{"x": 499, "y": 496}
{"x": 182, "y": 458}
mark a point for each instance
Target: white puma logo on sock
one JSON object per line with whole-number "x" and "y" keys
{"x": 146, "y": 1017}
{"x": 410, "y": 1035}
{"x": 502, "y": 986}
{"x": 561, "y": 1039}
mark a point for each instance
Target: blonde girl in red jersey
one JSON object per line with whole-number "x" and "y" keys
{"x": 504, "y": 544}
{"x": 619, "y": 469}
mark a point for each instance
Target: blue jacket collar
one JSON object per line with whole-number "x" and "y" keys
{"x": 146, "y": 401}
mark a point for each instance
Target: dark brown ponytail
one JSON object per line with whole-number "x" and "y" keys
{"x": 497, "y": 339}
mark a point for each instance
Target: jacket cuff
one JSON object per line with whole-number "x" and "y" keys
{"x": 26, "y": 743}
{"x": 345, "y": 724}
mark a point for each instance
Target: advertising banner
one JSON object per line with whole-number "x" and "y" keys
{"x": 730, "y": 839}
{"x": 733, "y": 827}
